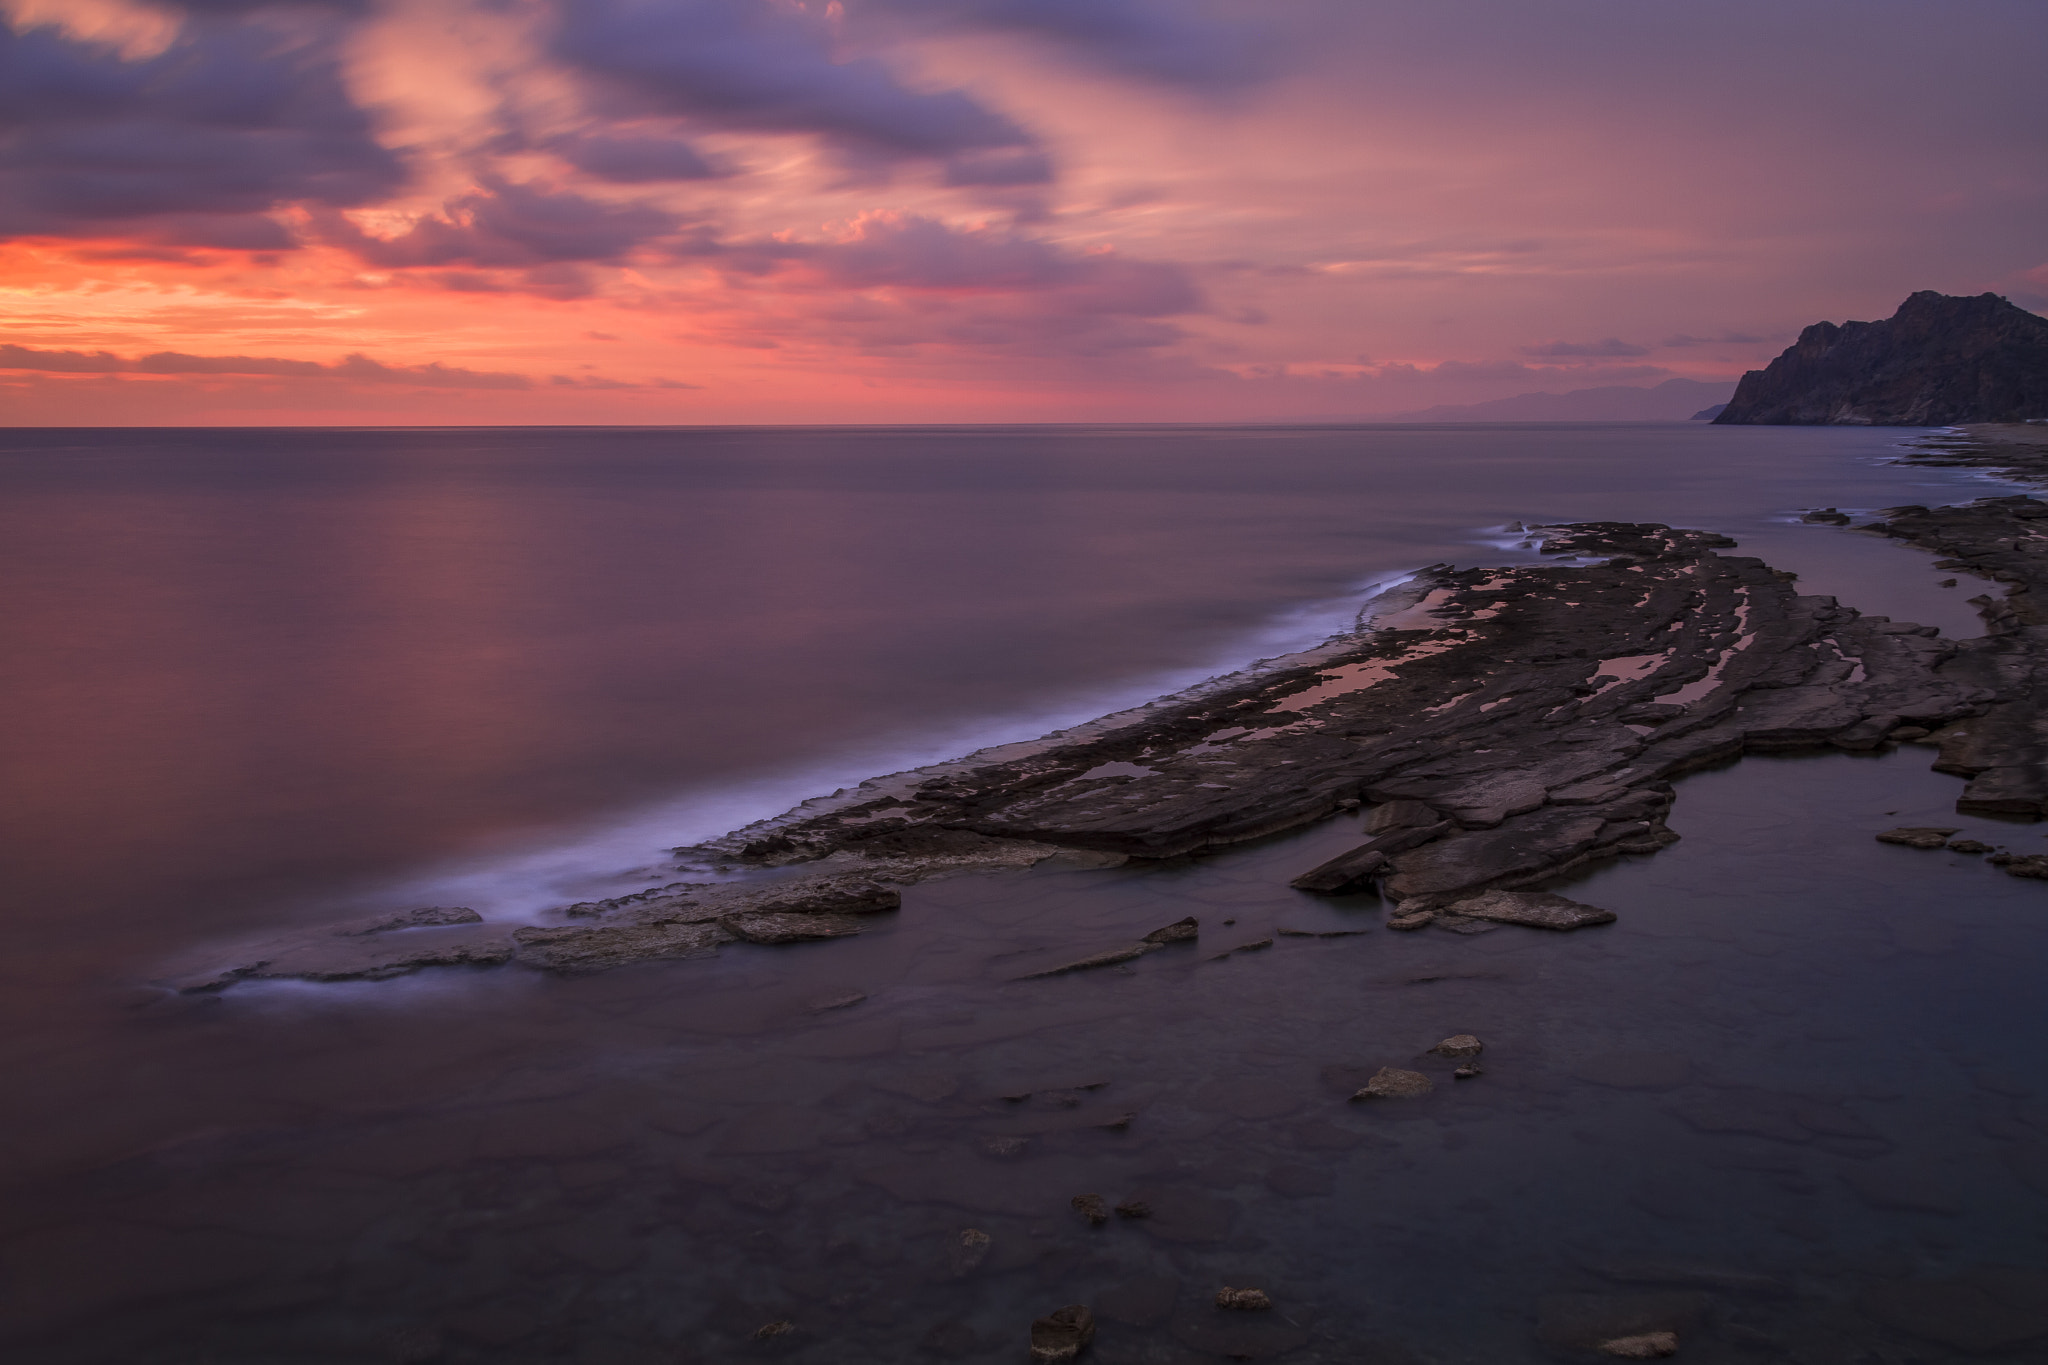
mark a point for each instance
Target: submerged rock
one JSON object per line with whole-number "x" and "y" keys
{"x": 1061, "y": 1334}
{"x": 1918, "y": 836}
{"x": 968, "y": 1250}
{"x": 1392, "y": 1083}
{"x": 1243, "y": 1300}
{"x": 1646, "y": 1346}
{"x": 1180, "y": 931}
{"x": 1093, "y": 1207}
{"x": 1985, "y": 1310}
{"x": 358, "y": 955}
{"x": 1589, "y": 1321}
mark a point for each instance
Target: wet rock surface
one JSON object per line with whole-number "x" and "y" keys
{"x": 1506, "y": 727}
{"x": 1918, "y": 836}
{"x": 1513, "y": 725}
{"x": 1062, "y": 1334}
{"x": 1394, "y": 1083}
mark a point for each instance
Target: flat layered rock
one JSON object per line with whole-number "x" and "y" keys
{"x": 1918, "y": 836}
{"x": 1537, "y": 909}
{"x": 575, "y": 948}
{"x": 1516, "y": 725}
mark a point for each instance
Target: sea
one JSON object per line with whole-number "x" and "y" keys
{"x": 1792, "y": 1104}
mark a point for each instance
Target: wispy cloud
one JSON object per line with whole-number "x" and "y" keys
{"x": 355, "y": 369}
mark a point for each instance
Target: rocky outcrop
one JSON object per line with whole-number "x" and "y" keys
{"x": 1506, "y": 726}
{"x": 1512, "y": 725}
{"x": 1938, "y": 361}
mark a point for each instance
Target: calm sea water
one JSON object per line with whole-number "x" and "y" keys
{"x": 259, "y": 678}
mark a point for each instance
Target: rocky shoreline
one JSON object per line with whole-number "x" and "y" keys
{"x": 1507, "y": 726}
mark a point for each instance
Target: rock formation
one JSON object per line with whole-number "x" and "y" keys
{"x": 1938, "y": 361}
{"x": 1506, "y": 726}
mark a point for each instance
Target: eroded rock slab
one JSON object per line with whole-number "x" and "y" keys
{"x": 1511, "y": 725}
{"x": 1537, "y": 909}
{"x": 1520, "y": 723}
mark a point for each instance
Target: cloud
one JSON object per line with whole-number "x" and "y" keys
{"x": 502, "y": 224}
{"x": 189, "y": 146}
{"x": 899, "y": 282}
{"x": 1612, "y": 346}
{"x": 1725, "y": 339}
{"x": 1158, "y": 40}
{"x": 634, "y": 160}
{"x": 999, "y": 167}
{"x": 741, "y": 64}
{"x": 355, "y": 368}
{"x": 912, "y": 252}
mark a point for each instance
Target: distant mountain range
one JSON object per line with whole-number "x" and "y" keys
{"x": 1674, "y": 400}
{"x": 1941, "y": 359}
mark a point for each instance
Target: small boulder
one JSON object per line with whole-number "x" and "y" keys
{"x": 2033, "y": 865}
{"x": 1060, "y": 1335}
{"x": 1644, "y": 1346}
{"x": 1134, "y": 1208}
{"x": 1418, "y": 919}
{"x": 1467, "y": 1072}
{"x": 1243, "y": 1300}
{"x": 1392, "y": 1083}
{"x": 1917, "y": 836}
{"x": 1093, "y": 1207}
{"x": 1968, "y": 846}
{"x": 1180, "y": 931}
{"x": 1459, "y": 1045}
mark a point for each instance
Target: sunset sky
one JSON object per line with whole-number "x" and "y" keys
{"x": 680, "y": 211}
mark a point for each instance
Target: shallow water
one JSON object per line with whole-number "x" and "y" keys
{"x": 1799, "y": 1054}
{"x": 266, "y": 676}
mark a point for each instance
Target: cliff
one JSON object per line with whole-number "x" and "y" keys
{"x": 1938, "y": 361}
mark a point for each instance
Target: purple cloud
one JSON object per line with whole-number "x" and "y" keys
{"x": 504, "y": 224}
{"x": 746, "y": 65}
{"x": 1148, "y": 38}
{"x": 189, "y": 146}
{"x": 636, "y": 159}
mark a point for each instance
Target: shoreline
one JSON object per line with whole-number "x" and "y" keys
{"x": 1507, "y": 726}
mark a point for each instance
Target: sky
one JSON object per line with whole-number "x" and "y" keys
{"x": 740, "y": 211}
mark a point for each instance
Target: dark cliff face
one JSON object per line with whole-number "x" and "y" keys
{"x": 1938, "y": 361}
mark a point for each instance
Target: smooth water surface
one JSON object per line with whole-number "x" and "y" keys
{"x": 262, "y": 677}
